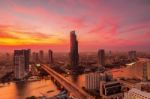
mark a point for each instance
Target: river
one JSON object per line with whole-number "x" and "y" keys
{"x": 21, "y": 90}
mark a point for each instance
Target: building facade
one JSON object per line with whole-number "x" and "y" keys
{"x": 50, "y": 57}
{"x": 21, "y": 63}
{"x": 74, "y": 56}
{"x": 132, "y": 55}
{"x": 41, "y": 56}
{"x": 111, "y": 90}
{"x": 101, "y": 57}
{"x": 139, "y": 70}
{"x": 148, "y": 71}
{"x": 92, "y": 80}
{"x": 136, "y": 94}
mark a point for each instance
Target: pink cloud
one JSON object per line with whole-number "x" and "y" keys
{"x": 135, "y": 27}
{"x": 5, "y": 32}
{"x": 97, "y": 21}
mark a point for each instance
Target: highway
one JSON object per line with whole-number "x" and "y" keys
{"x": 74, "y": 90}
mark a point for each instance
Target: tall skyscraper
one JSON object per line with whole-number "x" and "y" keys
{"x": 41, "y": 56}
{"x": 21, "y": 63}
{"x": 101, "y": 57}
{"x": 74, "y": 56}
{"x": 50, "y": 56}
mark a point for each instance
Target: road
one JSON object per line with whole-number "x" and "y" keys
{"x": 77, "y": 92}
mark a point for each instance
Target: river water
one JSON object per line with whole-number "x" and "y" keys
{"x": 22, "y": 90}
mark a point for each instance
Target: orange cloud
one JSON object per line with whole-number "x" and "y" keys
{"x": 10, "y": 35}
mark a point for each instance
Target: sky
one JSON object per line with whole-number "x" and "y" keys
{"x": 46, "y": 24}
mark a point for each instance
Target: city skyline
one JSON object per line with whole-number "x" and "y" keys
{"x": 124, "y": 25}
{"x": 74, "y": 49}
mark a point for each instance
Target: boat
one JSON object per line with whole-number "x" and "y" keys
{"x": 50, "y": 91}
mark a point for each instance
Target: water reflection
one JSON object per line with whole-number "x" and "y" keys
{"x": 22, "y": 90}
{"x": 79, "y": 80}
{"x": 74, "y": 78}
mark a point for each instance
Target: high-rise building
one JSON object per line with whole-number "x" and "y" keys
{"x": 35, "y": 57}
{"x": 136, "y": 94}
{"x": 101, "y": 57}
{"x": 21, "y": 63}
{"x": 146, "y": 71}
{"x": 132, "y": 55}
{"x": 92, "y": 81}
{"x": 74, "y": 56}
{"x": 8, "y": 57}
{"x": 41, "y": 56}
{"x": 27, "y": 54}
{"x": 50, "y": 56}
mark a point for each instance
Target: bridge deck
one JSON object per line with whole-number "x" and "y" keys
{"x": 72, "y": 88}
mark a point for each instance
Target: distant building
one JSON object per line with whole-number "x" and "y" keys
{"x": 21, "y": 63}
{"x": 101, "y": 57}
{"x": 74, "y": 56}
{"x": 50, "y": 56}
{"x": 146, "y": 71}
{"x": 136, "y": 94}
{"x": 41, "y": 56}
{"x": 92, "y": 80}
{"x": 8, "y": 57}
{"x": 27, "y": 54}
{"x": 132, "y": 55}
{"x": 35, "y": 57}
{"x": 111, "y": 90}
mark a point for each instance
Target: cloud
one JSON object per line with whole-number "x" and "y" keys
{"x": 100, "y": 21}
{"x": 11, "y": 35}
{"x": 106, "y": 28}
{"x": 135, "y": 27}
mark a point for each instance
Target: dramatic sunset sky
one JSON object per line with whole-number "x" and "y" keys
{"x": 44, "y": 24}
